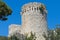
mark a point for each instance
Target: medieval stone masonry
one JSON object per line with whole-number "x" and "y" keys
{"x": 33, "y": 20}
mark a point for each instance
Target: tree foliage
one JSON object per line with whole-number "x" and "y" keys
{"x": 4, "y": 11}
{"x": 31, "y": 37}
{"x": 53, "y": 34}
{"x": 13, "y": 38}
{"x": 3, "y": 38}
{"x": 42, "y": 8}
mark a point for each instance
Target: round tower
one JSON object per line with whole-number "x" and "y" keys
{"x": 34, "y": 19}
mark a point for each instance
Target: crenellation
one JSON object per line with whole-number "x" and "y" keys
{"x": 32, "y": 7}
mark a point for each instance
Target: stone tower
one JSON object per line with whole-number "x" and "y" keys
{"x": 34, "y": 19}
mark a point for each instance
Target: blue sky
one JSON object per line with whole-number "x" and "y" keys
{"x": 53, "y": 16}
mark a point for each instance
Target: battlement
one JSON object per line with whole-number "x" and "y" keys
{"x": 32, "y": 6}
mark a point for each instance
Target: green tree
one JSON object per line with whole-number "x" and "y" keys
{"x": 54, "y": 34}
{"x": 3, "y": 38}
{"x": 57, "y": 34}
{"x": 42, "y": 8}
{"x": 31, "y": 37}
{"x": 13, "y": 38}
{"x": 4, "y": 11}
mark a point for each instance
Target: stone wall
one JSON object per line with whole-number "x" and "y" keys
{"x": 33, "y": 20}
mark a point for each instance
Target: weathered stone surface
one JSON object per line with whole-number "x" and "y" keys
{"x": 32, "y": 21}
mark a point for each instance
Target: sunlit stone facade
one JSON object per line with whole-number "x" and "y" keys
{"x": 33, "y": 20}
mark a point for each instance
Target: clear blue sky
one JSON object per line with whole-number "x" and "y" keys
{"x": 53, "y": 16}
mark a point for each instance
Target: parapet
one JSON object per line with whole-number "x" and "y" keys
{"x": 32, "y": 6}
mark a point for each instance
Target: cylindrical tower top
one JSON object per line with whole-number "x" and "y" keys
{"x": 33, "y": 6}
